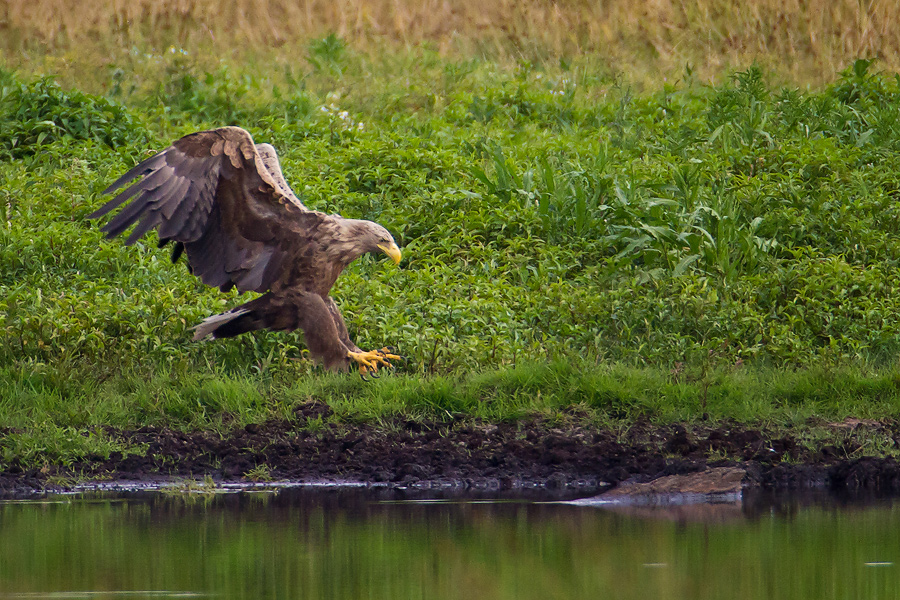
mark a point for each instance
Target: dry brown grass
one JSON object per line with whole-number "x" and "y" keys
{"x": 804, "y": 40}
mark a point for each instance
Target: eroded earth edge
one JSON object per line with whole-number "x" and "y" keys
{"x": 538, "y": 452}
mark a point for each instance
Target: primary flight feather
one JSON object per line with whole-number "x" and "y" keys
{"x": 223, "y": 202}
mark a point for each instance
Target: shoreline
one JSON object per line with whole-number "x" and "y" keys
{"x": 466, "y": 455}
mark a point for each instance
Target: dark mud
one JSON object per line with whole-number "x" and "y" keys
{"x": 464, "y": 453}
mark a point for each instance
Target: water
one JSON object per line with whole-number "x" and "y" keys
{"x": 326, "y": 544}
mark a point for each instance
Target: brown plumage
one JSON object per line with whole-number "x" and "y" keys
{"x": 222, "y": 201}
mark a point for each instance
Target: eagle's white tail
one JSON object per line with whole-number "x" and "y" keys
{"x": 210, "y": 324}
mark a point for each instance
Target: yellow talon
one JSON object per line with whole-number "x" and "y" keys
{"x": 371, "y": 360}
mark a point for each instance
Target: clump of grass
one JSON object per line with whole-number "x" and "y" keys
{"x": 35, "y": 114}
{"x": 45, "y": 444}
{"x": 259, "y": 473}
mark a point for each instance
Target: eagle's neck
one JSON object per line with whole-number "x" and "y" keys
{"x": 345, "y": 243}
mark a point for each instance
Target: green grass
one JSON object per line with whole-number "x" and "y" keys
{"x": 62, "y": 416}
{"x": 728, "y": 250}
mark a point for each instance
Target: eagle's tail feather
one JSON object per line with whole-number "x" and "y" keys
{"x": 228, "y": 324}
{"x": 261, "y": 313}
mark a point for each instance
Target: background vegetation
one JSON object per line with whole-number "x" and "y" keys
{"x": 807, "y": 41}
{"x": 719, "y": 242}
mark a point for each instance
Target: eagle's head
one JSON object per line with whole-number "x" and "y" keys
{"x": 367, "y": 237}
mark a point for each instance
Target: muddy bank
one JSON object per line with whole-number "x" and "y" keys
{"x": 466, "y": 453}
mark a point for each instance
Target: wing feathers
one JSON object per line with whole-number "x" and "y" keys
{"x": 168, "y": 196}
{"x": 122, "y": 197}
{"x": 217, "y": 147}
{"x": 177, "y": 250}
{"x": 127, "y": 217}
{"x": 132, "y": 212}
{"x": 189, "y": 214}
{"x": 269, "y": 159}
{"x": 175, "y": 213}
{"x": 148, "y": 222}
{"x": 219, "y": 198}
{"x": 231, "y": 147}
{"x": 251, "y": 277}
{"x": 151, "y": 164}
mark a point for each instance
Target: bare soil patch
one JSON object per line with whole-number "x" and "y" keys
{"x": 466, "y": 453}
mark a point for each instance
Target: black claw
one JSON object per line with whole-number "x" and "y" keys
{"x": 375, "y": 374}
{"x": 362, "y": 375}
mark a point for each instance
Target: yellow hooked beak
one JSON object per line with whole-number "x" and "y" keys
{"x": 391, "y": 250}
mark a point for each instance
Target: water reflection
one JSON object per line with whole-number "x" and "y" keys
{"x": 355, "y": 544}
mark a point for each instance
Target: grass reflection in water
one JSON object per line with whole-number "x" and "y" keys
{"x": 340, "y": 544}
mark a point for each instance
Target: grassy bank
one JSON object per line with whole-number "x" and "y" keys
{"x": 724, "y": 251}
{"x": 58, "y": 417}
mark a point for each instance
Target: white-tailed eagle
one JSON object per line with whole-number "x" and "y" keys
{"x": 222, "y": 201}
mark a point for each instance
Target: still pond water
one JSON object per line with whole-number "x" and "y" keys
{"x": 324, "y": 544}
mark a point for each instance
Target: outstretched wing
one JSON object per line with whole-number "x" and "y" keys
{"x": 220, "y": 198}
